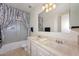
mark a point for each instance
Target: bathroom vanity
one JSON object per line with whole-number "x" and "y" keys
{"x": 40, "y": 46}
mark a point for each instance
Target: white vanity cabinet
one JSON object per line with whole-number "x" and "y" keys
{"x": 42, "y": 47}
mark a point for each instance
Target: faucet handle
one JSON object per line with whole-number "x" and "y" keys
{"x": 59, "y": 41}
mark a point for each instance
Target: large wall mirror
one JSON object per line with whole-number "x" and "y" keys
{"x": 62, "y": 18}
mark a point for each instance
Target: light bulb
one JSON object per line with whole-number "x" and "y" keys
{"x": 43, "y": 7}
{"x": 46, "y": 5}
{"x": 54, "y": 6}
{"x": 47, "y": 10}
{"x": 50, "y": 8}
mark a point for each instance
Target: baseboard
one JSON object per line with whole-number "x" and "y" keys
{"x": 11, "y": 46}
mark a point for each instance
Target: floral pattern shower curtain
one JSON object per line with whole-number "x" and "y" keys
{"x": 10, "y": 15}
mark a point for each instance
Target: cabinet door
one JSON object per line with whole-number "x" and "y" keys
{"x": 33, "y": 49}
{"x": 43, "y": 52}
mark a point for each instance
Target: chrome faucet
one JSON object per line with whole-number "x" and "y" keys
{"x": 59, "y": 41}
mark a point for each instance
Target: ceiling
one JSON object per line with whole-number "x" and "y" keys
{"x": 27, "y": 7}
{"x": 60, "y": 8}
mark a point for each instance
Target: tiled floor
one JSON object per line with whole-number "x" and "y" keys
{"x": 16, "y": 52}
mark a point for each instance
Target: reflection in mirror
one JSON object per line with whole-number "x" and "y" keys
{"x": 63, "y": 18}
{"x": 56, "y": 19}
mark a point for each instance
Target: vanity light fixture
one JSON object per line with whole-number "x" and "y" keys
{"x": 48, "y": 7}
{"x": 50, "y": 4}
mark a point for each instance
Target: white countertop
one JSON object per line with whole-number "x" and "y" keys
{"x": 53, "y": 47}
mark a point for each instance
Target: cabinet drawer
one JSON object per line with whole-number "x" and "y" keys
{"x": 33, "y": 51}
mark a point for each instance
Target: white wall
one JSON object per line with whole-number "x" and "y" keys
{"x": 65, "y": 23}
{"x": 74, "y": 14}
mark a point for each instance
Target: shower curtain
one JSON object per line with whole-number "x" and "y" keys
{"x": 14, "y": 24}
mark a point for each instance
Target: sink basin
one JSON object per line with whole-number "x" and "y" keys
{"x": 42, "y": 39}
